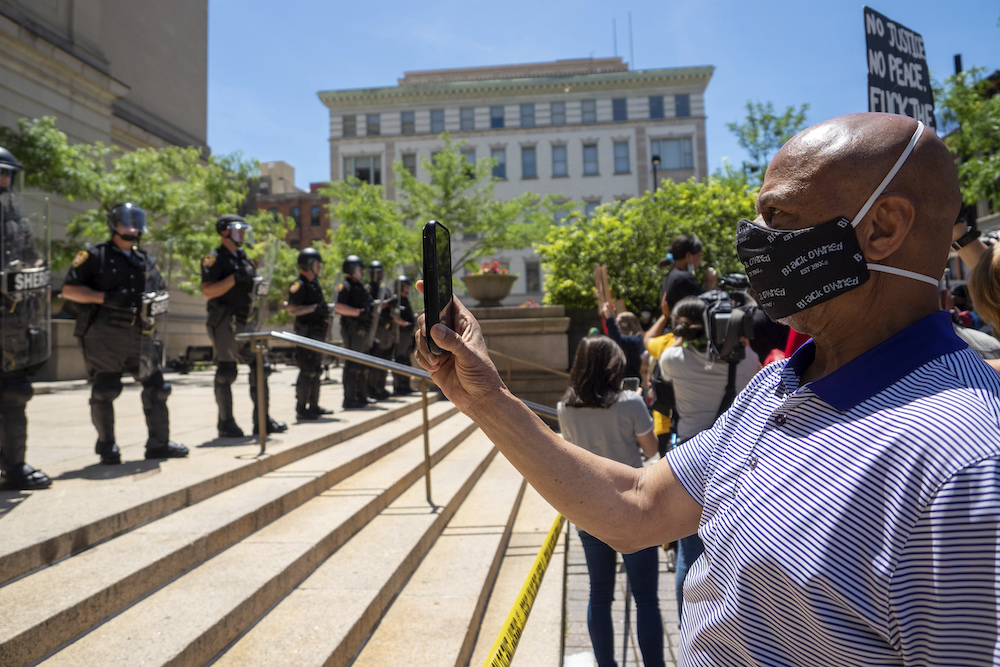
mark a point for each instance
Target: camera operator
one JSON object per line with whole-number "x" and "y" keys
{"x": 704, "y": 385}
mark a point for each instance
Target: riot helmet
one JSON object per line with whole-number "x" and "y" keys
{"x": 307, "y": 258}
{"x": 9, "y": 166}
{"x": 240, "y": 231}
{"x": 375, "y": 272}
{"x": 352, "y": 262}
{"x": 400, "y": 281}
{"x": 127, "y": 215}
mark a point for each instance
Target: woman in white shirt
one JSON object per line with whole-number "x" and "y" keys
{"x": 596, "y": 414}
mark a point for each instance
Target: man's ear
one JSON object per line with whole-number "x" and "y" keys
{"x": 886, "y": 226}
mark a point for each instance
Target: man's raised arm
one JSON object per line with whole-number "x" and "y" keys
{"x": 628, "y": 508}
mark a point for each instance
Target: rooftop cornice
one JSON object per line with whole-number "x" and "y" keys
{"x": 540, "y": 85}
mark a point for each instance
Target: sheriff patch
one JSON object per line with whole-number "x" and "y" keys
{"x": 295, "y": 287}
{"x": 340, "y": 286}
{"x": 80, "y": 258}
{"x": 208, "y": 261}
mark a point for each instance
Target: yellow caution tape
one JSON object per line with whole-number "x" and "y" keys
{"x": 503, "y": 648}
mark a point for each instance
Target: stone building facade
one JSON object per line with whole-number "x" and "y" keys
{"x": 586, "y": 130}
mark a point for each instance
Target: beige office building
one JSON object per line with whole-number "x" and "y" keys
{"x": 586, "y": 130}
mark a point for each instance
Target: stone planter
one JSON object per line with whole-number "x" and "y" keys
{"x": 489, "y": 289}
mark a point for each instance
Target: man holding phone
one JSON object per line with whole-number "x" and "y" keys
{"x": 847, "y": 500}
{"x": 354, "y": 305}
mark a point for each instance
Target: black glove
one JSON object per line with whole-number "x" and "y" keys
{"x": 119, "y": 299}
{"x": 322, "y": 309}
{"x": 243, "y": 277}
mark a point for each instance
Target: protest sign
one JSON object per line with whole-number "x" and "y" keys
{"x": 898, "y": 80}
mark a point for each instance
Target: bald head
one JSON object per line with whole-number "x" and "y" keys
{"x": 848, "y": 156}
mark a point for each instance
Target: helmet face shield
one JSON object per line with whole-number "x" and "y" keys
{"x": 127, "y": 221}
{"x": 241, "y": 233}
{"x": 133, "y": 217}
{"x": 317, "y": 267}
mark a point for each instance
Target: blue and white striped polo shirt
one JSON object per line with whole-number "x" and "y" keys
{"x": 854, "y": 520}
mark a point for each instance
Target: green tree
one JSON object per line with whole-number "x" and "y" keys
{"x": 764, "y": 133}
{"x": 972, "y": 102}
{"x": 631, "y": 237}
{"x": 460, "y": 195}
{"x": 369, "y": 225}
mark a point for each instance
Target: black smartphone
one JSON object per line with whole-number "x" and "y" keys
{"x": 630, "y": 384}
{"x": 437, "y": 281}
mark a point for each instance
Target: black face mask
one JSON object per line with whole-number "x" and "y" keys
{"x": 790, "y": 271}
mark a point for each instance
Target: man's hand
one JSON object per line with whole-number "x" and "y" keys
{"x": 467, "y": 375}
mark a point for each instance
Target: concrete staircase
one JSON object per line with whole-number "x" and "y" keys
{"x": 323, "y": 551}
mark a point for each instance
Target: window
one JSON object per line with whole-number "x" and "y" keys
{"x": 590, "y": 207}
{"x": 622, "y": 163}
{"x": 294, "y": 244}
{"x": 532, "y": 275}
{"x": 410, "y": 163}
{"x": 496, "y": 117}
{"x": 527, "y": 115}
{"x": 558, "y": 112}
{"x": 350, "y": 126}
{"x": 619, "y": 109}
{"x": 296, "y": 216}
{"x": 467, "y": 118}
{"x": 407, "y": 121}
{"x": 656, "y": 106}
{"x": 367, "y": 169}
{"x": 437, "y": 121}
{"x": 674, "y": 153}
{"x": 529, "y": 162}
{"x": 314, "y": 216}
{"x": 590, "y": 160}
{"x": 559, "y": 217}
{"x": 500, "y": 155}
{"x": 470, "y": 155}
{"x": 560, "y": 167}
{"x": 373, "y": 124}
{"x": 274, "y": 212}
{"x": 682, "y": 105}
{"x": 588, "y": 111}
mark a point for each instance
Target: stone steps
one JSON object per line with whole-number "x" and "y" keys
{"x": 79, "y": 514}
{"x": 83, "y": 590}
{"x": 322, "y": 551}
{"x": 193, "y": 617}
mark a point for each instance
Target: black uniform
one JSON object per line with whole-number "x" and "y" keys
{"x": 116, "y": 339}
{"x": 352, "y": 293}
{"x": 305, "y": 292}
{"x": 228, "y": 315}
{"x": 386, "y": 335}
{"x": 404, "y": 348}
{"x": 24, "y": 328}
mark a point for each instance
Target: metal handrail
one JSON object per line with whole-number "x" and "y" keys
{"x": 526, "y": 363}
{"x": 259, "y": 340}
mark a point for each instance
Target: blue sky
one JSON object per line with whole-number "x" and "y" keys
{"x": 267, "y": 60}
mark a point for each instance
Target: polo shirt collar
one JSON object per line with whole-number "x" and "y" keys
{"x": 881, "y": 366}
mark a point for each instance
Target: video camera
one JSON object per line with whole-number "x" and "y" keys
{"x": 729, "y": 317}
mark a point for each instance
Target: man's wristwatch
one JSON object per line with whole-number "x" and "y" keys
{"x": 968, "y": 238}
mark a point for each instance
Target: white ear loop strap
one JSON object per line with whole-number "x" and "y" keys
{"x": 875, "y": 195}
{"x": 890, "y": 175}
{"x": 903, "y": 272}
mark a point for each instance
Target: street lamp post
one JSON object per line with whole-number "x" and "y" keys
{"x": 656, "y": 164}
